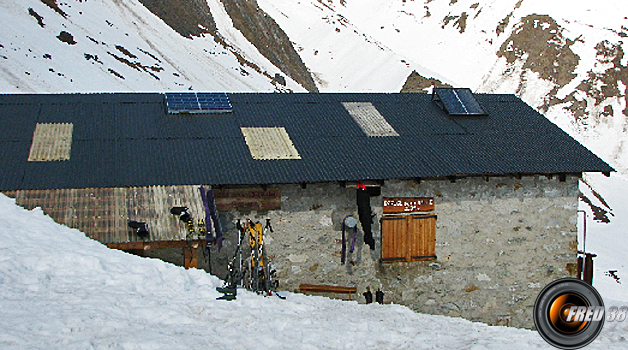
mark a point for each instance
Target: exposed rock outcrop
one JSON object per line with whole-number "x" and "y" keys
{"x": 271, "y": 41}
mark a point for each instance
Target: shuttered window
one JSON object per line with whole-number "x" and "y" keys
{"x": 408, "y": 237}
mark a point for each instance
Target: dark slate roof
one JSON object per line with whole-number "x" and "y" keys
{"x": 129, "y": 139}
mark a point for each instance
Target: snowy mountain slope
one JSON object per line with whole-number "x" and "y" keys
{"x": 121, "y": 46}
{"x": 61, "y": 290}
{"x": 340, "y": 55}
{"x": 564, "y": 58}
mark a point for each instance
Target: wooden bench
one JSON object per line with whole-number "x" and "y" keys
{"x": 323, "y": 288}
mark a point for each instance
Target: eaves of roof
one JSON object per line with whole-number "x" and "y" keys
{"x": 129, "y": 139}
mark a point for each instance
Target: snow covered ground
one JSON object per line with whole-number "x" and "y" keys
{"x": 61, "y": 290}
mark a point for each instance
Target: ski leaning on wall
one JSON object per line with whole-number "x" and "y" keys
{"x": 235, "y": 272}
{"x": 261, "y": 274}
{"x": 257, "y": 274}
{"x": 211, "y": 216}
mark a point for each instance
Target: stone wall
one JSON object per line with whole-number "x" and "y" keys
{"x": 498, "y": 242}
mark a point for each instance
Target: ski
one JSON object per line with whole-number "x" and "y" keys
{"x": 261, "y": 274}
{"x": 257, "y": 274}
{"x": 235, "y": 274}
{"x": 209, "y": 237}
{"x": 227, "y": 297}
{"x": 227, "y": 290}
{"x": 210, "y": 207}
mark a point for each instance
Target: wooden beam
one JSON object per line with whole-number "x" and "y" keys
{"x": 156, "y": 245}
{"x": 190, "y": 257}
{"x": 138, "y": 252}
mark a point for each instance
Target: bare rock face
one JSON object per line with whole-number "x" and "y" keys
{"x": 538, "y": 40}
{"x": 194, "y": 18}
{"x": 271, "y": 41}
{"x": 188, "y": 18}
{"x": 418, "y": 83}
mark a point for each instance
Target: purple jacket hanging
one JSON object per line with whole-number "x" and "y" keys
{"x": 214, "y": 215}
{"x": 209, "y": 236}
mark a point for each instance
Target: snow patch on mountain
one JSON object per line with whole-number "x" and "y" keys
{"x": 119, "y": 46}
{"x": 338, "y": 52}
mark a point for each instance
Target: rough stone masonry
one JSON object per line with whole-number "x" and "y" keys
{"x": 499, "y": 240}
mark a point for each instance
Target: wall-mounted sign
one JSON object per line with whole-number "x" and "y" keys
{"x": 400, "y": 205}
{"x": 245, "y": 199}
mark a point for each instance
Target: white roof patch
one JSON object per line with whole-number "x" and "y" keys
{"x": 369, "y": 119}
{"x": 51, "y": 142}
{"x": 269, "y": 143}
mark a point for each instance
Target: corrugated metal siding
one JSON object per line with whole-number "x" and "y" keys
{"x": 369, "y": 119}
{"x": 269, "y": 143}
{"x": 129, "y": 139}
{"x": 51, "y": 142}
{"x": 103, "y": 213}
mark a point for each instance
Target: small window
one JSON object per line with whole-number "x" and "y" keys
{"x": 51, "y": 142}
{"x": 408, "y": 237}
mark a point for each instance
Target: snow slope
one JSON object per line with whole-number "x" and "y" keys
{"x": 339, "y": 53}
{"x": 61, "y": 290}
{"x": 119, "y": 46}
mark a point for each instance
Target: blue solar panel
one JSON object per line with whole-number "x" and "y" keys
{"x": 468, "y": 100}
{"x": 457, "y": 101}
{"x": 192, "y": 102}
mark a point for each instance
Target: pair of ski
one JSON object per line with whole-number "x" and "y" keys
{"x": 235, "y": 274}
{"x": 258, "y": 276}
{"x": 259, "y": 273}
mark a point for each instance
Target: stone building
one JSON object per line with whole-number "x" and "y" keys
{"x": 472, "y": 197}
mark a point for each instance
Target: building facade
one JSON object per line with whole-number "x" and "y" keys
{"x": 465, "y": 205}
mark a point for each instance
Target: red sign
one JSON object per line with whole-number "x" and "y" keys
{"x": 400, "y": 205}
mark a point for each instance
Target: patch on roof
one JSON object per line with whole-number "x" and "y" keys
{"x": 369, "y": 119}
{"x": 51, "y": 141}
{"x": 269, "y": 143}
